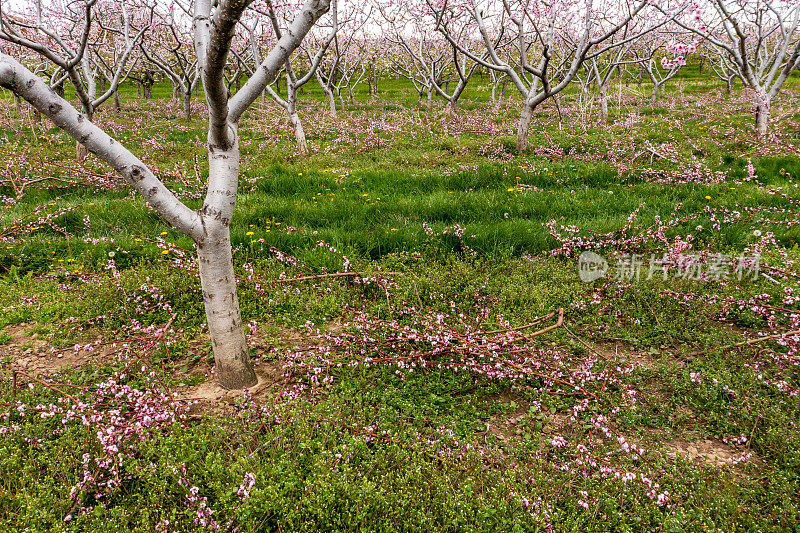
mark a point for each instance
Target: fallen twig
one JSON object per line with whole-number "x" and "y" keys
{"x": 332, "y": 275}
{"x": 747, "y": 343}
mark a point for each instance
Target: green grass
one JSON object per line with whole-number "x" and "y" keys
{"x": 370, "y": 201}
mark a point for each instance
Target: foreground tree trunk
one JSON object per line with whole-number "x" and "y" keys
{"x": 233, "y": 368}
{"x": 524, "y": 126}
{"x": 217, "y": 278}
{"x": 762, "y": 119}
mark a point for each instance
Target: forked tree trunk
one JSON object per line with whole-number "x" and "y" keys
{"x": 187, "y": 105}
{"x": 654, "y": 95}
{"x": 81, "y": 152}
{"x": 233, "y": 367}
{"x": 525, "y": 119}
{"x": 452, "y": 107}
{"x": 341, "y": 98}
{"x": 231, "y": 356}
{"x": 603, "y": 103}
{"x": 299, "y": 134}
{"x": 762, "y": 119}
{"x": 331, "y": 101}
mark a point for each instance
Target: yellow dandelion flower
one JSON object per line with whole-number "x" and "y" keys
{"x": 249, "y": 233}
{"x": 708, "y": 198}
{"x": 164, "y": 252}
{"x": 163, "y": 233}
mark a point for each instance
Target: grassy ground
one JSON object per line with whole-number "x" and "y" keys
{"x": 640, "y": 417}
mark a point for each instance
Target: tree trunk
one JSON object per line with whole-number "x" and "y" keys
{"x": 654, "y": 96}
{"x": 81, "y": 152}
{"x": 187, "y": 105}
{"x": 525, "y": 119}
{"x": 299, "y": 134}
{"x": 233, "y": 369}
{"x": 373, "y": 81}
{"x": 341, "y": 99}
{"x": 762, "y": 119}
{"x": 331, "y": 102}
{"x": 148, "y": 91}
{"x": 603, "y": 103}
{"x": 452, "y": 108}
{"x": 117, "y": 105}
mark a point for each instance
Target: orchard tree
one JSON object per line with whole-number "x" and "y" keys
{"x": 602, "y": 70}
{"x": 430, "y": 58}
{"x": 346, "y": 55}
{"x": 214, "y": 24}
{"x": 661, "y": 57}
{"x": 74, "y": 36}
{"x": 169, "y": 46}
{"x": 549, "y": 41}
{"x": 293, "y": 82}
{"x": 761, "y": 39}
